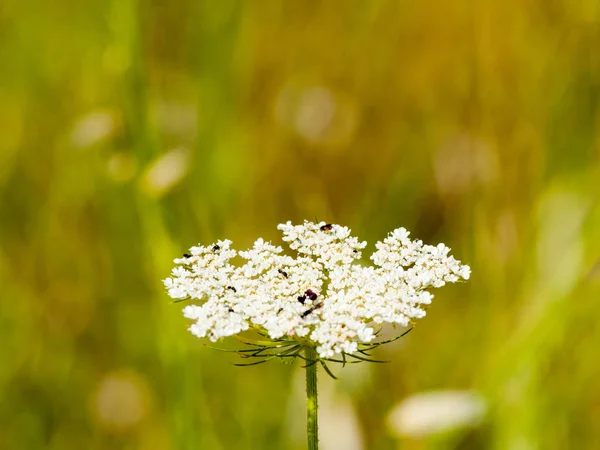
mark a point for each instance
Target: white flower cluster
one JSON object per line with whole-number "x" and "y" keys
{"x": 322, "y": 296}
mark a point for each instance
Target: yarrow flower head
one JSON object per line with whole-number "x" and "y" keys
{"x": 321, "y": 297}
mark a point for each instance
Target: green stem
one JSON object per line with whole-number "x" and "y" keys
{"x": 312, "y": 421}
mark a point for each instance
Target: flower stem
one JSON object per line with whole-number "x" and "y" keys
{"x": 312, "y": 422}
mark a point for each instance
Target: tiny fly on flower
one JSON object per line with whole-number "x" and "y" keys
{"x": 283, "y": 272}
{"x": 327, "y": 227}
{"x": 232, "y": 288}
{"x": 216, "y": 248}
{"x": 187, "y": 255}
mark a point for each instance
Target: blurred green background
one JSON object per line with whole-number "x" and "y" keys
{"x": 131, "y": 130}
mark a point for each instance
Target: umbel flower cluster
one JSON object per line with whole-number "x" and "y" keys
{"x": 322, "y": 297}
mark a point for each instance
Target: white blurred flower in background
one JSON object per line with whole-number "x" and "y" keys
{"x": 93, "y": 128}
{"x": 317, "y": 113}
{"x": 434, "y": 412}
{"x": 122, "y": 400}
{"x": 165, "y": 172}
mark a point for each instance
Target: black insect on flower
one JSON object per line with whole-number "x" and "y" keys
{"x": 231, "y": 288}
{"x": 283, "y": 272}
{"x": 312, "y": 308}
{"x": 230, "y": 309}
{"x": 216, "y": 248}
{"x": 311, "y": 294}
{"x": 187, "y": 255}
{"x": 327, "y": 227}
{"x": 302, "y": 298}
